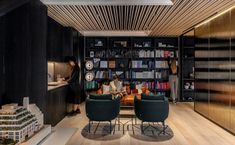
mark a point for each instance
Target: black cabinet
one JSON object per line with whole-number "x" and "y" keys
{"x": 55, "y": 105}
{"x": 54, "y": 40}
{"x": 59, "y": 41}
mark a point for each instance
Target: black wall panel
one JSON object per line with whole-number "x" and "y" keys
{"x": 25, "y": 54}
{"x": 2, "y": 53}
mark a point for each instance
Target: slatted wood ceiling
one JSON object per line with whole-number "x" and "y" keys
{"x": 160, "y": 20}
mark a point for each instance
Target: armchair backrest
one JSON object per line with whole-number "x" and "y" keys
{"x": 102, "y": 109}
{"x": 151, "y": 110}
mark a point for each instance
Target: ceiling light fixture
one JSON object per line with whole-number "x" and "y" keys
{"x": 107, "y": 2}
{"x": 116, "y": 33}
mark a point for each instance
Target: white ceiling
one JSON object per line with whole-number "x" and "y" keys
{"x": 155, "y": 20}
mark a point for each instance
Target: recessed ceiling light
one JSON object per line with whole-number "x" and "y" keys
{"x": 107, "y": 2}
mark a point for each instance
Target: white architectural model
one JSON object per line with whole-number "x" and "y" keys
{"x": 20, "y": 122}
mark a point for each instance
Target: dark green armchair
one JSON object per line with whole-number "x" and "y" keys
{"x": 102, "y": 108}
{"x": 152, "y": 108}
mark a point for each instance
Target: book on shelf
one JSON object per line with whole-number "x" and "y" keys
{"x": 163, "y": 85}
{"x": 164, "y": 54}
{"x": 96, "y": 62}
{"x": 161, "y": 64}
{"x": 112, "y": 64}
{"x": 103, "y": 64}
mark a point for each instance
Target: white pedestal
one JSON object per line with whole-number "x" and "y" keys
{"x": 37, "y": 138}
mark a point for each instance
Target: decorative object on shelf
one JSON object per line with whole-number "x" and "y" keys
{"x": 98, "y": 43}
{"x": 89, "y": 65}
{"x": 89, "y": 76}
{"x": 189, "y": 85}
{"x": 92, "y": 53}
{"x": 120, "y": 44}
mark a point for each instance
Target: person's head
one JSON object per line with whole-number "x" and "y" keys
{"x": 115, "y": 77}
{"x": 72, "y": 61}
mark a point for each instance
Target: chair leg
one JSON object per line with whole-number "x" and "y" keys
{"x": 110, "y": 126}
{"x": 89, "y": 126}
{"x": 142, "y": 129}
{"x": 164, "y": 127}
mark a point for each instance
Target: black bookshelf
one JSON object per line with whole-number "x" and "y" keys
{"x": 137, "y": 59}
{"x": 187, "y": 67}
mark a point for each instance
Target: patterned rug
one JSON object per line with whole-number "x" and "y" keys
{"x": 152, "y": 131}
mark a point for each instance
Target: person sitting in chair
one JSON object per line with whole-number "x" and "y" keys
{"x": 116, "y": 87}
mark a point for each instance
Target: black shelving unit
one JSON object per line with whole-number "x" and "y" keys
{"x": 187, "y": 68}
{"x": 140, "y": 55}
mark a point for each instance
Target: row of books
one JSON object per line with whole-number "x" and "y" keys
{"x": 109, "y": 74}
{"x": 143, "y": 75}
{"x": 89, "y": 85}
{"x": 143, "y": 54}
{"x": 124, "y": 64}
{"x": 162, "y": 85}
{"x": 162, "y": 74}
{"x": 142, "y": 64}
{"x": 164, "y": 54}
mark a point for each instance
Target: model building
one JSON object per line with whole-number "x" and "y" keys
{"x": 19, "y": 122}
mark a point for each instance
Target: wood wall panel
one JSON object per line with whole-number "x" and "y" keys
{"x": 202, "y": 96}
{"x": 219, "y": 83}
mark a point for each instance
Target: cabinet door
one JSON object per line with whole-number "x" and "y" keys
{"x": 54, "y": 40}
{"x": 67, "y": 42}
{"x": 48, "y": 117}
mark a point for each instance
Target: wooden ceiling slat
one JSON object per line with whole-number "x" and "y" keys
{"x": 75, "y": 17}
{"x": 140, "y": 18}
{"x": 101, "y": 15}
{"x": 96, "y": 15}
{"x": 145, "y": 18}
{"x": 180, "y": 14}
{"x": 90, "y": 14}
{"x": 136, "y": 15}
{"x": 67, "y": 16}
{"x": 160, "y": 20}
{"x": 88, "y": 17}
{"x": 108, "y": 22}
{"x": 196, "y": 18}
{"x": 167, "y": 15}
{"x": 57, "y": 17}
{"x": 110, "y": 14}
{"x": 210, "y": 11}
{"x": 130, "y": 18}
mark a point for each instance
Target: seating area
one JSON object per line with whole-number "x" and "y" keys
{"x": 147, "y": 108}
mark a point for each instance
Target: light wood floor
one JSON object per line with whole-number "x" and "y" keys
{"x": 189, "y": 128}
